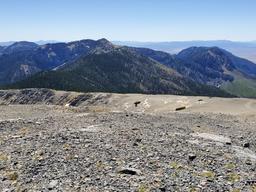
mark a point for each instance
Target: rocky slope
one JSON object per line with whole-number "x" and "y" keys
{"x": 108, "y": 145}
{"x": 51, "y": 97}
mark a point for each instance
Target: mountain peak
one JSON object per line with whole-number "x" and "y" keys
{"x": 103, "y": 45}
{"x": 23, "y": 43}
{"x": 21, "y": 46}
{"x": 199, "y": 51}
{"x": 103, "y": 40}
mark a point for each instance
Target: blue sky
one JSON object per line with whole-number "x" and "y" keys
{"x": 134, "y": 20}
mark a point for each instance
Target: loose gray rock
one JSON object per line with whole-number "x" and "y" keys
{"x": 83, "y": 149}
{"x": 52, "y": 184}
{"x": 191, "y": 157}
{"x": 246, "y": 145}
{"x": 129, "y": 171}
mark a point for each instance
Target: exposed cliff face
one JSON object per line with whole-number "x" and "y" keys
{"x": 51, "y": 97}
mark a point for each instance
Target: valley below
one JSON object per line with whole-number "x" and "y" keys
{"x": 67, "y": 141}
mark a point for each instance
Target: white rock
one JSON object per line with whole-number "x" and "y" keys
{"x": 53, "y": 184}
{"x": 244, "y": 153}
{"x": 213, "y": 137}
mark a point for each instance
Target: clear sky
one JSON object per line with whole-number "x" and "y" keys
{"x": 134, "y": 20}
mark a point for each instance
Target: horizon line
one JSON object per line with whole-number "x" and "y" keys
{"x": 134, "y": 41}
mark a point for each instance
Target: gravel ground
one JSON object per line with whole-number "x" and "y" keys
{"x": 54, "y": 148}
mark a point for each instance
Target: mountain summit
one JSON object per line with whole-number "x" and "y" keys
{"x": 20, "y": 46}
{"x": 218, "y": 59}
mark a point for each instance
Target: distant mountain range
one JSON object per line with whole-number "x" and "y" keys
{"x": 41, "y": 42}
{"x": 242, "y": 49}
{"x": 101, "y": 66}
